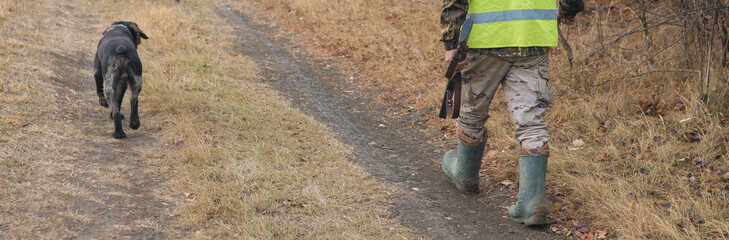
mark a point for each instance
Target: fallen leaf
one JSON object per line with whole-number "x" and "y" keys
{"x": 644, "y": 105}
{"x": 416, "y": 189}
{"x": 578, "y": 142}
{"x": 724, "y": 120}
{"x": 589, "y": 236}
{"x": 491, "y": 154}
{"x": 651, "y": 106}
{"x": 679, "y": 106}
{"x": 507, "y": 182}
{"x": 725, "y": 177}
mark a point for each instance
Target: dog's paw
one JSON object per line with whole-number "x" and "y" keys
{"x": 103, "y": 103}
{"x": 119, "y": 135}
{"x": 134, "y": 124}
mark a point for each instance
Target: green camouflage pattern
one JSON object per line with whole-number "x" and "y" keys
{"x": 453, "y": 14}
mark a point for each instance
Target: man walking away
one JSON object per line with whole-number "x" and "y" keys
{"x": 508, "y": 44}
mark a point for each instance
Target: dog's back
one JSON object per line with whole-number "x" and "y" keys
{"x": 117, "y": 66}
{"x": 117, "y": 49}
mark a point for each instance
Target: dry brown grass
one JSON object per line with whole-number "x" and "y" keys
{"x": 33, "y": 139}
{"x": 644, "y": 172}
{"x": 242, "y": 164}
{"x": 384, "y": 39}
{"x": 248, "y": 164}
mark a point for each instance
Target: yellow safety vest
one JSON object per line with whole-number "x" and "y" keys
{"x": 511, "y": 23}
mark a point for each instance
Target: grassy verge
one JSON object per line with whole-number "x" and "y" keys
{"x": 33, "y": 136}
{"x": 249, "y": 165}
{"x": 638, "y": 157}
{"x": 241, "y": 162}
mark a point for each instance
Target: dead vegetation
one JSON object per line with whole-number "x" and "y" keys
{"x": 638, "y": 124}
{"x": 240, "y": 174}
{"x": 232, "y": 171}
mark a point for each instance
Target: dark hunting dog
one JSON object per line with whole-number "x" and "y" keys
{"x": 117, "y": 65}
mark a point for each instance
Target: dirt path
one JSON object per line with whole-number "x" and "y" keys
{"x": 397, "y": 155}
{"x": 97, "y": 188}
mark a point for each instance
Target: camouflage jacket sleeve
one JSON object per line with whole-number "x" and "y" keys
{"x": 452, "y": 16}
{"x": 570, "y": 8}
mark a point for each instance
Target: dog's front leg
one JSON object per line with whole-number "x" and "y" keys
{"x": 136, "y": 89}
{"x": 99, "y": 77}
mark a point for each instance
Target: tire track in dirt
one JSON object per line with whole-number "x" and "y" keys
{"x": 114, "y": 179}
{"x": 398, "y": 156}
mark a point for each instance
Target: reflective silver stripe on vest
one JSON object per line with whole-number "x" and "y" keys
{"x": 465, "y": 28}
{"x": 514, "y": 15}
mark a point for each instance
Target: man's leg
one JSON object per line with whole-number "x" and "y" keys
{"x": 528, "y": 95}
{"x": 481, "y": 78}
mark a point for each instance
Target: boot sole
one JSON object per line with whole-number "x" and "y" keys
{"x": 466, "y": 190}
{"x": 535, "y": 219}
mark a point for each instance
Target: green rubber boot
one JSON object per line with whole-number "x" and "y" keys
{"x": 462, "y": 165}
{"x": 532, "y": 206}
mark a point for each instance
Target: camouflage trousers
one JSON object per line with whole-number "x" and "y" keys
{"x": 525, "y": 81}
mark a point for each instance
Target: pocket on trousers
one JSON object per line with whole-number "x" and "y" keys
{"x": 475, "y": 89}
{"x": 543, "y": 89}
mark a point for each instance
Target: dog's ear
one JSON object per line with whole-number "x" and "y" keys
{"x": 139, "y": 32}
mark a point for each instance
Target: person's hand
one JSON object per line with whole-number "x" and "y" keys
{"x": 449, "y": 57}
{"x": 567, "y": 21}
{"x": 557, "y": 49}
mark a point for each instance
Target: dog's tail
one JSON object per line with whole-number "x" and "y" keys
{"x": 120, "y": 62}
{"x": 121, "y": 49}
{"x": 121, "y": 57}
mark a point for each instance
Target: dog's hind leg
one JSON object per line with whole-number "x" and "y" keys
{"x": 111, "y": 89}
{"x": 136, "y": 89}
{"x": 122, "y": 89}
{"x": 118, "y": 131}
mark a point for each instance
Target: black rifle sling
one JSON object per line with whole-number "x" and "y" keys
{"x": 451, "y": 105}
